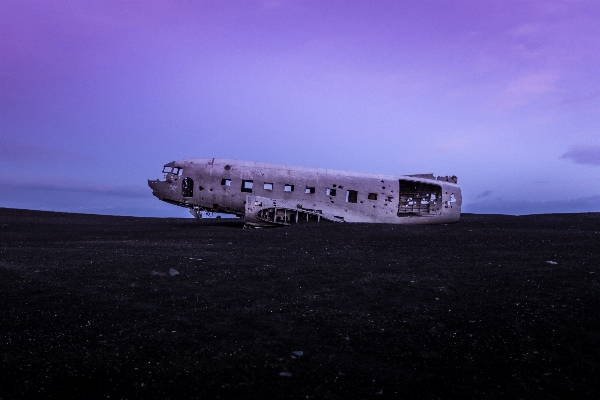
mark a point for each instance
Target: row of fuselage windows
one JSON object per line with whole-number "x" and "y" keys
{"x": 351, "y": 195}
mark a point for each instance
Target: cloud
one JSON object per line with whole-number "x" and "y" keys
{"x": 136, "y": 191}
{"x": 18, "y": 152}
{"x": 52, "y": 195}
{"x": 525, "y": 30}
{"x": 582, "y": 98}
{"x": 527, "y": 88}
{"x": 453, "y": 145}
{"x": 533, "y": 85}
{"x": 484, "y": 194}
{"x": 525, "y": 207}
{"x": 582, "y": 154}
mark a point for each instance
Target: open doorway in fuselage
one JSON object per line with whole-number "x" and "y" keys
{"x": 187, "y": 187}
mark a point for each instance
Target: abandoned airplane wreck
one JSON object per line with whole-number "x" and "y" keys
{"x": 268, "y": 195}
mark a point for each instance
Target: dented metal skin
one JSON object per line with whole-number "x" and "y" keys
{"x": 268, "y": 195}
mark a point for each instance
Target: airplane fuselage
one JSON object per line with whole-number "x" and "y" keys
{"x": 274, "y": 195}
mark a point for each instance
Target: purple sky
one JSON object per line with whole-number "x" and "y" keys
{"x": 95, "y": 96}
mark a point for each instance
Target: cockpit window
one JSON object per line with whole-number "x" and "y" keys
{"x": 171, "y": 170}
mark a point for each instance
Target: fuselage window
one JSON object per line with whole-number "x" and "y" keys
{"x": 247, "y": 186}
{"x": 309, "y": 190}
{"x": 226, "y": 182}
{"x": 288, "y": 188}
{"x": 372, "y": 196}
{"x": 351, "y": 196}
{"x": 187, "y": 187}
{"x": 268, "y": 186}
{"x": 330, "y": 192}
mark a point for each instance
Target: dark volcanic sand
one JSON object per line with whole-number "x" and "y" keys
{"x": 471, "y": 310}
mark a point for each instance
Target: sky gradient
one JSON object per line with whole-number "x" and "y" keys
{"x": 95, "y": 96}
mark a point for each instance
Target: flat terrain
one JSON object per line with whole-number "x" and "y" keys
{"x": 491, "y": 307}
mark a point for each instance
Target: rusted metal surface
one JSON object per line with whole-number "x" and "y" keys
{"x": 278, "y": 195}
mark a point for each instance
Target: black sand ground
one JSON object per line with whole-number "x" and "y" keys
{"x": 88, "y": 308}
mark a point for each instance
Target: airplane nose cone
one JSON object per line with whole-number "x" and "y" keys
{"x": 155, "y": 186}
{"x": 163, "y": 190}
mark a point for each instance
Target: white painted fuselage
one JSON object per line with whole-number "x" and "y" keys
{"x": 274, "y": 195}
